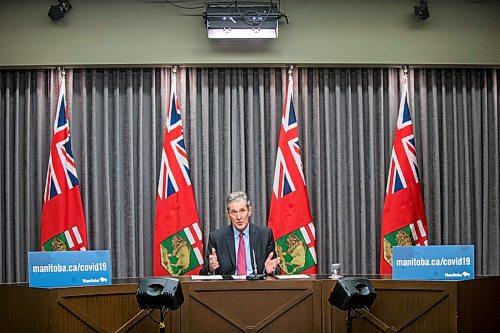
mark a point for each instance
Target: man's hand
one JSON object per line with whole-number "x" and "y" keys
{"x": 270, "y": 264}
{"x": 213, "y": 262}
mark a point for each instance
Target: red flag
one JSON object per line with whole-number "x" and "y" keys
{"x": 63, "y": 223}
{"x": 290, "y": 216}
{"x": 403, "y": 217}
{"x": 178, "y": 246}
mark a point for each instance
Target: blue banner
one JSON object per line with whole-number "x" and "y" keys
{"x": 52, "y": 269}
{"x": 435, "y": 262}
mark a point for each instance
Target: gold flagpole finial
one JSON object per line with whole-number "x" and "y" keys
{"x": 405, "y": 70}
{"x": 61, "y": 71}
{"x": 174, "y": 70}
{"x": 290, "y": 70}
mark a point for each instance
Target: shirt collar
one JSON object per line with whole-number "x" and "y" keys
{"x": 246, "y": 232}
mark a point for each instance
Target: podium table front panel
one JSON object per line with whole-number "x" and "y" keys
{"x": 252, "y": 306}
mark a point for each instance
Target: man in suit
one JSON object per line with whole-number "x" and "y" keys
{"x": 232, "y": 249}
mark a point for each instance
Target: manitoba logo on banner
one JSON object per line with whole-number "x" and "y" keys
{"x": 63, "y": 222}
{"x": 178, "y": 246}
{"x": 403, "y": 217}
{"x": 290, "y": 216}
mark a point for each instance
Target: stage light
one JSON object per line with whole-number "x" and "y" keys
{"x": 159, "y": 293}
{"x": 352, "y": 293}
{"x": 422, "y": 10}
{"x": 242, "y": 20}
{"x": 57, "y": 12}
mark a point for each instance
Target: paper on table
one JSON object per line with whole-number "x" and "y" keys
{"x": 296, "y": 276}
{"x": 239, "y": 277}
{"x": 206, "y": 277}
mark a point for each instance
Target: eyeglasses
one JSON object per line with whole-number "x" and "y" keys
{"x": 241, "y": 212}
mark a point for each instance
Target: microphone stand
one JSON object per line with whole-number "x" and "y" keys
{"x": 255, "y": 276}
{"x": 348, "y": 320}
{"x": 162, "y": 320}
{"x": 351, "y": 314}
{"x": 163, "y": 313}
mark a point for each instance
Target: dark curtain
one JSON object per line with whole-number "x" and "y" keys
{"x": 231, "y": 117}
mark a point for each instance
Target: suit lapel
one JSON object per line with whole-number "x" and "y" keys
{"x": 229, "y": 235}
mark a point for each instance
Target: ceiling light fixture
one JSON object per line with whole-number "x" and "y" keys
{"x": 422, "y": 10}
{"x": 242, "y": 20}
{"x": 57, "y": 12}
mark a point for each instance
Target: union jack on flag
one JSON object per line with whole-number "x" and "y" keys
{"x": 176, "y": 250}
{"x": 63, "y": 222}
{"x": 289, "y": 216}
{"x": 174, "y": 151}
{"x": 403, "y": 217}
{"x": 288, "y": 150}
{"x": 403, "y": 150}
{"x": 61, "y": 171}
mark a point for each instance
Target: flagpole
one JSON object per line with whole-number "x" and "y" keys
{"x": 61, "y": 72}
{"x": 405, "y": 83}
{"x": 176, "y": 218}
{"x": 405, "y": 73}
{"x": 63, "y": 224}
{"x": 290, "y": 81}
{"x": 405, "y": 70}
{"x": 174, "y": 76}
{"x": 62, "y": 86}
{"x": 404, "y": 213}
{"x": 290, "y": 214}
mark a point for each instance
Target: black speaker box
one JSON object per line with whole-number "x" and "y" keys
{"x": 352, "y": 293}
{"x": 156, "y": 293}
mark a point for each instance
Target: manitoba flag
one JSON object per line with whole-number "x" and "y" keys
{"x": 63, "y": 223}
{"x": 178, "y": 246}
{"x": 290, "y": 216}
{"x": 403, "y": 217}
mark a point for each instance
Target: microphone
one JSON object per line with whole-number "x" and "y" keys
{"x": 254, "y": 263}
{"x": 255, "y": 276}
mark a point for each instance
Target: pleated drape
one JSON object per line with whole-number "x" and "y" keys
{"x": 231, "y": 116}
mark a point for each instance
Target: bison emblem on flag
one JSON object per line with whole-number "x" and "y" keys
{"x": 181, "y": 252}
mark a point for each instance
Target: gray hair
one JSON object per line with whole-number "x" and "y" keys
{"x": 238, "y": 195}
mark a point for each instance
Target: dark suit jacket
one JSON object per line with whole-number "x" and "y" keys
{"x": 261, "y": 241}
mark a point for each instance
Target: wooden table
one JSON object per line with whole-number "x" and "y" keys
{"x": 256, "y": 306}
